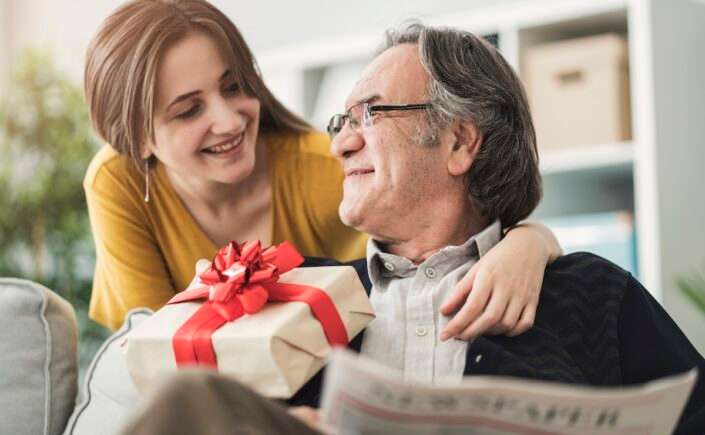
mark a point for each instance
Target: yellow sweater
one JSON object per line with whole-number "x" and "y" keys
{"x": 146, "y": 252}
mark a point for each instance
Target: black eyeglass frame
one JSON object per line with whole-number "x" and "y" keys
{"x": 337, "y": 121}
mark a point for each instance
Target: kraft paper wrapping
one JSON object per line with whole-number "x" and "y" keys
{"x": 275, "y": 351}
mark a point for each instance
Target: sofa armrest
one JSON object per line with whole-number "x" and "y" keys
{"x": 38, "y": 359}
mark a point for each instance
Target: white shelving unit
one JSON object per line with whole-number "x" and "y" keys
{"x": 658, "y": 175}
{"x": 616, "y": 155}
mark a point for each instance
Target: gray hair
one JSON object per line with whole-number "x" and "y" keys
{"x": 470, "y": 80}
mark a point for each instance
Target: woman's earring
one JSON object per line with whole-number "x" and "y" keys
{"x": 146, "y": 180}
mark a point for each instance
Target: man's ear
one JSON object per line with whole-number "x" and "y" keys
{"x": 467, "y": 144}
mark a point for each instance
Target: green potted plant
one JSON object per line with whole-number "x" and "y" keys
{"x": 693, "y": 287}
{"x": 46, "y": 145}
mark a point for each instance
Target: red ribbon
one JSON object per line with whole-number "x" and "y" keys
{"x": 240, "y": 280}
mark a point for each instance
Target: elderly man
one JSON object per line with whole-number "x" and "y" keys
{"x": 439, "y": 154}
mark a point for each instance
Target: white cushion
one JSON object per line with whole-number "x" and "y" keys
{"x": 107, "y": 394}
{"x": 38, "y": 359}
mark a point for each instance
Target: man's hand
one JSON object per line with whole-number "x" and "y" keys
{"x": 500, "y": 293}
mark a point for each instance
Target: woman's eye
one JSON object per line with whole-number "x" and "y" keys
{"x": 189, "y": 113}
{"x": 233, "y": 88}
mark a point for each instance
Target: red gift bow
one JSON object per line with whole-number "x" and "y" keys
{"x": 240, "y": 280}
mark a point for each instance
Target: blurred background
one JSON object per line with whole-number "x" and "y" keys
{"x": 615, "y": 88}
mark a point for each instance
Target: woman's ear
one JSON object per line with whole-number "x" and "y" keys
{"x": 467, "y": 144}
{"x": 146, "y": 150}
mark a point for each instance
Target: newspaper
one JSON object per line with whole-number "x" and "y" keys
{"x": 363, "y": 397}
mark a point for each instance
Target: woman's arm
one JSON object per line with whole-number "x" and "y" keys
{"x": 500, "y": 293}
{"x": 550, "y": 242}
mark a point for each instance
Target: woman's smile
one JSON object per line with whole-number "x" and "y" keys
{"x": 227, "y": 148}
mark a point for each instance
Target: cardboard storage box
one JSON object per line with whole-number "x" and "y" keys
{"x": 579, "y": 91}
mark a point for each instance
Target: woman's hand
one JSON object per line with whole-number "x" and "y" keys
{"x": 500, "y": 293}
{"x": 307, "y": 415}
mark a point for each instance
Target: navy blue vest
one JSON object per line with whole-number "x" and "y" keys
{"x": 595, "y": 325}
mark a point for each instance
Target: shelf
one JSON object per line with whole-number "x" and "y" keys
{"x": 618, "y": 156}
{"x": 611, "y": 21}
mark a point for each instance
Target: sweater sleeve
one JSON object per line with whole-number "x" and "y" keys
{"x": 652, "y": 346}
{"x": 130, "y": 271}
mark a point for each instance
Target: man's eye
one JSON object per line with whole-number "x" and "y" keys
{"x": 189, "y": 113}
{"x": 354, "y": 122}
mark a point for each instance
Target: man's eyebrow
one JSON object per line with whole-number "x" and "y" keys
{"x": 368, "y": 99}
{"x": 188, "y": 95}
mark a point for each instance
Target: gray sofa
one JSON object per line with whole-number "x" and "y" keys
{"x": 39, "y": 368}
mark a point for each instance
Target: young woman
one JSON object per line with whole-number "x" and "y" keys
{"x": 200, "y": 153}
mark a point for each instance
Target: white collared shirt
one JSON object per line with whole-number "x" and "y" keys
{"x": 407, "y": 298}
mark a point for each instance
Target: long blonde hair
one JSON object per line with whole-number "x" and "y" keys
{"x": 123, "y": 58}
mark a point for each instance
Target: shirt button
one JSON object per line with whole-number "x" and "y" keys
{"x": 430, "y": 272}
{"x": 421, "y": 331}
{"x": 478, "y": 358}
{"x": 389, "y": 266}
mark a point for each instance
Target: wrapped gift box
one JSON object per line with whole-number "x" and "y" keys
{"x": 274, "y": 351}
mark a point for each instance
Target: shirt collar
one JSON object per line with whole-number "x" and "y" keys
{"x": 382, "y": 264}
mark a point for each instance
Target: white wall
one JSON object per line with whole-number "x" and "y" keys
{"x": 273, "y": 23}
{"x": 65, "y": 27}
{"x": 4, "y": 40}
{"x": 61, "y": 27}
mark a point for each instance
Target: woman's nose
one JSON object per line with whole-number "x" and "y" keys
{"x": 225, "y": 119}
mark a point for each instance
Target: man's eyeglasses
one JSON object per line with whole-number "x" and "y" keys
{"x": 360, "y": 115}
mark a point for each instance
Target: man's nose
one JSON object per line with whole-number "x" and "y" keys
{"x": 347, "y": 143}
{"x": 225, "y": 119}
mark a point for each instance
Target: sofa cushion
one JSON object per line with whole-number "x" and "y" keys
{"x": 38, "y": 359}
{"x": 107, "y": 394}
